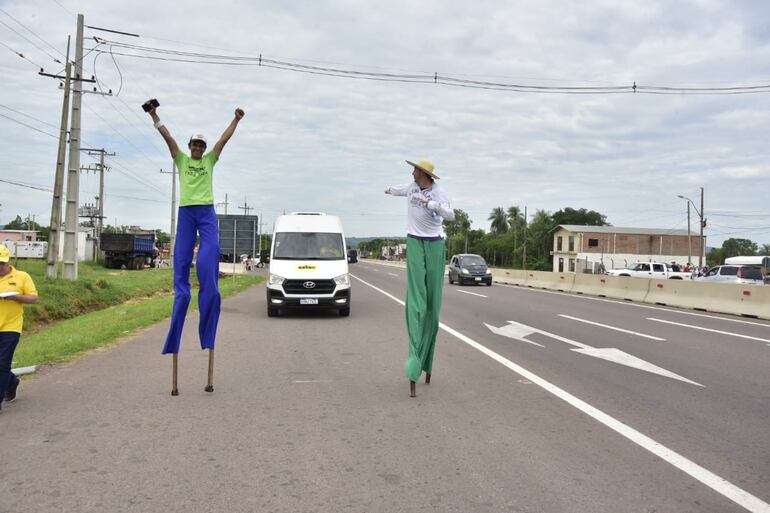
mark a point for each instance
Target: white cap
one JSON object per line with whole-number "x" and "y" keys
{"x": 197, "y": 136}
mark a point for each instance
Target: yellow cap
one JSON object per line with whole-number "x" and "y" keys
{"x": 5, "y": 255}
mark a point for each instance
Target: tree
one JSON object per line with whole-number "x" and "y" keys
{"x": 499, "y": 220}
{"x": 581, "y": 216}
{"x": 459, "y": 226}
{"x": 765, "y": 249}
{"x": 516, "y": 219}
{"x": 739, "y": 247}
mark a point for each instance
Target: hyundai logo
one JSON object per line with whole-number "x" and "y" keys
{"x": 309, "y": 284}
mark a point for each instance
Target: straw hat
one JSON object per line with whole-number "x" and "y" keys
{"x": 424, "y": 165}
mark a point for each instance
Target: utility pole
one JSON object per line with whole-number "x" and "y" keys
{"x": 689, "y": 237}
{"x": 70, "y": 262}
{"x": 246, "y": 208}
{"x": 225, "y": 203}
{"x": 54, "y": 233}
{"x": 702, "y": 226}
{"x": 524, "y": 249}
{"x": 173, "y": 212}
{"x": 100, "y": 168}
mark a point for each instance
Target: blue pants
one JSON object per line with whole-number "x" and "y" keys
{"x": 193, "y": 220}
{"x": 8, "y": 342}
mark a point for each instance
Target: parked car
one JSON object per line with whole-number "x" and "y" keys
{"x": 747, "y": 274}
{"x": 654, "y": 270}
{"x": 469, "y": 268}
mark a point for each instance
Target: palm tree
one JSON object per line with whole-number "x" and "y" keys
{"x": 515, "y": 218}
{"x": 499, "y": 220}
{"x": 765, "y": 249}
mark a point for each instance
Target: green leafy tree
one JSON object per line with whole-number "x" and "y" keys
{"x": 499, "y": 220}
{"x": 580, "y": 216}
{"x": 765, "y": 249}
{"x": 739, "y": 247}
{"x": 539, "y": 240}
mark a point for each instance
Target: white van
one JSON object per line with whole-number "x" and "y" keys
{"x": 308, "y": 264}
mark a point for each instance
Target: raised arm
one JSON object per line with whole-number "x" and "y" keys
{"x": 228, "y": 133}
{"x": 172, "y": 146}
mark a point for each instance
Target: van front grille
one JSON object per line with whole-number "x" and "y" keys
{"x": 305, "y": 287}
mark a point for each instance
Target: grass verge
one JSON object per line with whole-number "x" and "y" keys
{"x": 143, "y": 298}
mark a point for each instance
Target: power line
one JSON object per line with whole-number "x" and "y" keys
{"x": 29, "y": 126}
{"x": 60, "y": 5}
{"x": 30, "y": 41}
{"x": 38, "y": 66}
{"x": 29, "y": 116}
{"x": 33, "y": 32}
{"x": 163, "y": 54}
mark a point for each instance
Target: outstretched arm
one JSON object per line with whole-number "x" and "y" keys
{"x": 172, "y": 146}
{"x": 228, "y": 133}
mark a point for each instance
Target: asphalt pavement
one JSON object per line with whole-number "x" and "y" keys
{"x": 311, "y": 412}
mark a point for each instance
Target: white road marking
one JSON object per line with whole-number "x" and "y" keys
{"x": 613, "y": 328}
{"x": 637, "y": 305}
{"x": 471, "y": 293}
{"x": 720, "y": 485}
{"x": 709, "y": 329}
{"x": 517, "y": 331}
{"x": 313, "y": 381}
{"x": 393, "y": 274}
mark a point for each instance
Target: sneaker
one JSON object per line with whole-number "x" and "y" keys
{"x": 10, "y": 392}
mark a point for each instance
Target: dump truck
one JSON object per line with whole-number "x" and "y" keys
{"x": 129, "y": 250}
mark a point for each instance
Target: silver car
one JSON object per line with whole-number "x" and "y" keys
{"x": 746, "y": 274}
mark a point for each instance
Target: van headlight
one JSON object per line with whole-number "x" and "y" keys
{"x": 342, "y": 280}
{"x": 464, "y": 271}
{"x": 487, "y": 271}
{"x": 274, "y": 279}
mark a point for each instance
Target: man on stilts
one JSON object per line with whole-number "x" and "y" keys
{"x": 196, "y": 216}
{"x": 428, "y": 206}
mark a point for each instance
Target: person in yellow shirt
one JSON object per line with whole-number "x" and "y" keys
{"x": 16, "y": 290}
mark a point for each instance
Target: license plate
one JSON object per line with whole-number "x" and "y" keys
{"x": 478, "y": 279}
{"x": 308, "y": 301}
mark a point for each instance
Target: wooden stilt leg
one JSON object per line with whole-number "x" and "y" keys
{"x": 174, "y": 389}
{"x": 210, "y": 386}
{"x": 412, "y": 391}
{"x": 427, "y": 378}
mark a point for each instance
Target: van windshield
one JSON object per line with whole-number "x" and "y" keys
{"x": 308, "y": 246}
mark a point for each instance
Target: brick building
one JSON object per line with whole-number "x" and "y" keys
{"x": 579, "y": 248}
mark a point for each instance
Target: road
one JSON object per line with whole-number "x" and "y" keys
{"x": 530, "y": 409}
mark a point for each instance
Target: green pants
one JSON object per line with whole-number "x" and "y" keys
{"x": 425, "y": 262}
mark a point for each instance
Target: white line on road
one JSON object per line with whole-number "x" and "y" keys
{"x": 313, "y": 381}
{"x": 709, "y": 329}
{"x": 393, "y": 274}
{"x": 471, "y": 293}
{"x": 705, "y": 476}
{"x": 613, "y": 328}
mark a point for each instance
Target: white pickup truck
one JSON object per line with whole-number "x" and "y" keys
{"x": 654, "y": 270}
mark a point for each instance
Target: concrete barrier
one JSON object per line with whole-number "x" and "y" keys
{"x": 731, "y": 298}
{"x": 618, "y": 287}
{"x": 550, "y": 281}
{"x": 511, "y": 277}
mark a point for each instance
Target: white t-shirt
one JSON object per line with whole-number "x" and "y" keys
{"x": 424, "y": 219}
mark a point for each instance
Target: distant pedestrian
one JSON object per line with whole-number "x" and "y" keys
{"x": 197, "y": 217}
{"x": 16, "y": 290}
{"x": 427, "y": 207}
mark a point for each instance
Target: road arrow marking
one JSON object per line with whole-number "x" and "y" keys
{"x": 518, "y": 331}
{"x": 515, "y": 331}
{"x": 616, "y": 355}
{"x": 613, "y": 328}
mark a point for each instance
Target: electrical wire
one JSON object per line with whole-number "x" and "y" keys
{"x": 55, "y": 59}
{"x": 33, "y": 32}
{"x": 29, "y": 126}
{"x": 38, "y": 66}
{"x": 164, "y": 54}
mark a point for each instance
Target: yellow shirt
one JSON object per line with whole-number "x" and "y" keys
{"x": 12, "y": 312}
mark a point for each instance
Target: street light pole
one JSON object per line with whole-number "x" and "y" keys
{"x": 702, "y": 224}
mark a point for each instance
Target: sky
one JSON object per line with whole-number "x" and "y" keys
{"x": 314, "y": 142}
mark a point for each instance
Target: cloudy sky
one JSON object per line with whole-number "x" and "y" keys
{"x": 328, "y": 143}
